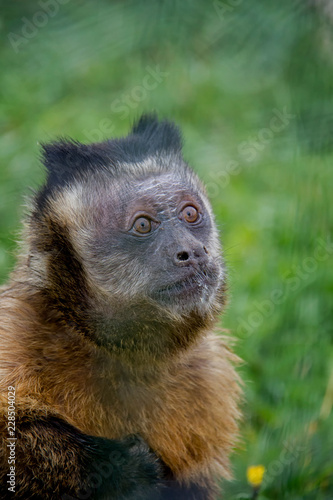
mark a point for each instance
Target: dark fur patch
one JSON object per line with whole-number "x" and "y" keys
{"x": 172, "y": 490}
{"x": 67, "y": 291}
{"x": 57, "y": 461}
{"x": 146, "y": 330}
{"x": 154, "y": 137}
{"x": 68, "y": 160}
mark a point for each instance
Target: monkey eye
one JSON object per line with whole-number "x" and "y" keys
{"x": 142, "y": 225}
{"x": 190, "y": 214}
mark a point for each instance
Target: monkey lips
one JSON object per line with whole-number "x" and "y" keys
{"x": 196, "y": 285}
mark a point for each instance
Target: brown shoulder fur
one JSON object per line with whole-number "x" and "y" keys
{"x": 186, "y": 409}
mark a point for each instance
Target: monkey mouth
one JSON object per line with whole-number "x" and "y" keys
{"x": 193, "y": 286}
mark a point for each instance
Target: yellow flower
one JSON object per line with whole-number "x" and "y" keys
{"x": 255, "y": 475}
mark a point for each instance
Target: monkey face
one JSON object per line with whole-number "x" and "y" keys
{"x": 123, "y": 240}
{"x": 155, "y": 239}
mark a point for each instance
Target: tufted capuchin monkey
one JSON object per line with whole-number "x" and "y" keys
{"x": 113, "y": 384}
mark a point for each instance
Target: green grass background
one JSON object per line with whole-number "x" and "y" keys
{"x": 226, "y": 67}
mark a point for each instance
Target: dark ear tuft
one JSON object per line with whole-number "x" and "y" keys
{"x": 158, "y": 135}
{"x": 146, "y": 121}
{"x": 60, "y": 157}
{"x": 67, "y": 159}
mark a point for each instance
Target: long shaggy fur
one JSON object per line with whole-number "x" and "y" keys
{"x": 90, "y": 354}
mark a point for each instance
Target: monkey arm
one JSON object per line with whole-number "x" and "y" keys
{"x": 54, "y": 460}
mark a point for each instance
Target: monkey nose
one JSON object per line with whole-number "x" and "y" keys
{"x": 187, "y": 257}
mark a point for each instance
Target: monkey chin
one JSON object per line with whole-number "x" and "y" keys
{"x": 200, "y": 294}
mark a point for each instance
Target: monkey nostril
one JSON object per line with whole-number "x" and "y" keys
{"x": 205, "y": 250}
{"x": 182, "y": 256}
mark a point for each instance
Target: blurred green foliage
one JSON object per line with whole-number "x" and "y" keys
{"x": 250, "y": 83}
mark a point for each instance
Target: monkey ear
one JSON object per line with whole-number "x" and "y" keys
{"x": 146, "y": 121}
{"x": 65, "y": 160}
{"x": 158, "y": 135}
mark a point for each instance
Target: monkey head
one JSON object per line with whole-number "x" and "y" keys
{"x": 123, "y": 240}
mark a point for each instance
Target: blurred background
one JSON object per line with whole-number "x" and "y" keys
{"x": 250, "y": 84}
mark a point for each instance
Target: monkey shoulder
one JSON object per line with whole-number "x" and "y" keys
{"x": 195, "y": 420}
